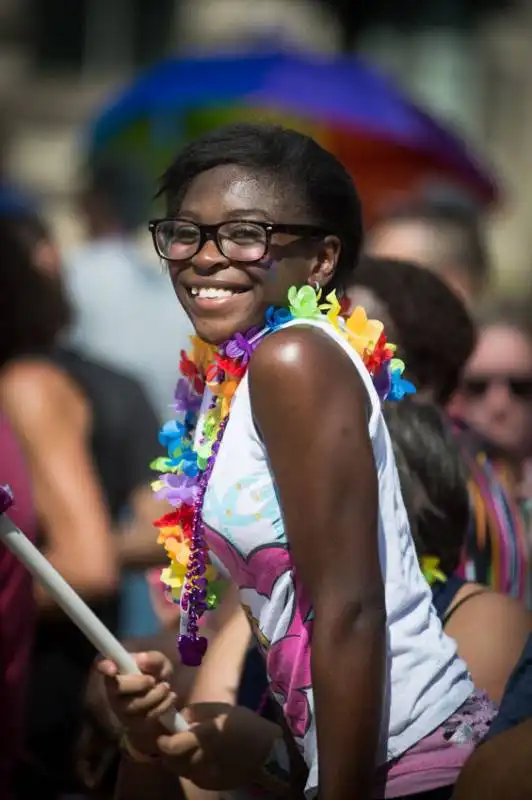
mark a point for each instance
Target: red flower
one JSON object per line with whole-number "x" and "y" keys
{"x": 230, "y": 367}
{"x": 190, "y": 371}
{"x": 380, "y": 355}
{"x": 213, "y": 374}
{"x": 182, "y": 517}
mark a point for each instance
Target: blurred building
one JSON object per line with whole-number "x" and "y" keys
{"x": 468, "y": 59}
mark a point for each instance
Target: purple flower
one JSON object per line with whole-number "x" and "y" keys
{"x": 185, "y": 399}
{"x": 239, "y": 346}
{"x": 383, "y": 382}
{"x": 178, "y": 489}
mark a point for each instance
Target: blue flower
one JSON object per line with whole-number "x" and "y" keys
{"x": 189, "y": 464}
{"x": 191, "y": 419}
{"x": 170, "y": 432}
{"x": 275, "y": 317}
{"x": 185, "y": 462}
{"x": 399, "y": 387}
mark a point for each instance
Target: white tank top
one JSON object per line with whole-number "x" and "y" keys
{"x": 245, "y": 532}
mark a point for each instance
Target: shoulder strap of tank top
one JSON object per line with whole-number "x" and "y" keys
{"x": 449, "y": 614}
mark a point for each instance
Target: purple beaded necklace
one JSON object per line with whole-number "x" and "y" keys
{"x": 231, "y": 362}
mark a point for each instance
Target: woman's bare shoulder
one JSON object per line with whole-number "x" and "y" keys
{"x": 491, "y": 630}
{"x": 490, "y": 609}
{"x": 35, "y": 390}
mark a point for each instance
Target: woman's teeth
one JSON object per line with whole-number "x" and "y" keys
{"x": 211, "y": 292}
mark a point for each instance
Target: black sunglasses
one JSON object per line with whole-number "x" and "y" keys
{"x": 518, "y": 386}
{"x": 240, "y": 240}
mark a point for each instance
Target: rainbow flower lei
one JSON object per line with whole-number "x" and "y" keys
{"x": 190, "y": 579}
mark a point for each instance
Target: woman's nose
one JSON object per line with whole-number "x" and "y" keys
{"x": 209, "y": 256}
{"x": 498, "y": 397}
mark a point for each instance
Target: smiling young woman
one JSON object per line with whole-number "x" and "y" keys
{"x": 281, "y": 472}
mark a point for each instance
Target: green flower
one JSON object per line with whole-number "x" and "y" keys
{"x": 161, "y": 465}
{"x": 203, "y": 453}
{"x": 304, "y": 302}
{"x": 209, "y": 427}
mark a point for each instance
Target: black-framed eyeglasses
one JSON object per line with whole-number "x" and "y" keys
{"x": 240, "y": 240}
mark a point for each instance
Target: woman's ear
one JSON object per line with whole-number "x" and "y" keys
{"x": 326, "y": 261}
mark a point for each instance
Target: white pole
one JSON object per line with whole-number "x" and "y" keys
{"x": 71, "y": 603}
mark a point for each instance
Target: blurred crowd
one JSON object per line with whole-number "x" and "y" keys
{"x": 90, "y": 343}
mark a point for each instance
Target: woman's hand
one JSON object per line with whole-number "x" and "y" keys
{"x": 138, "y": 701}
{"x": 226, "y": 748}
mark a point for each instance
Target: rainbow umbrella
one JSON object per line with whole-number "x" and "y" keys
{"x": 390, "y": 145}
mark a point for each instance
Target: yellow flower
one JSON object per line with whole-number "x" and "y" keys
{"x": 430, "y": 567}
{"x": 174, "y": 577}
{"x": 332, "y": 307}
{"x": 363, "y": 333}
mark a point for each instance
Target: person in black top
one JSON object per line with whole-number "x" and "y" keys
{"x": 89, "y": 435}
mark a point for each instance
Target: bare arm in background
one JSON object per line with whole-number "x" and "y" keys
{"x": 136, "y": 544}
{"x": 52, "y": 421}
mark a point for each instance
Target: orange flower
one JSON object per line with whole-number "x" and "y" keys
{"x": 175, "y": 532}
{"x": 178, "y": 551}
{"x": 202, "y": 353}
{"x": 363, "y": 333}
{"x": 224, "y": 392}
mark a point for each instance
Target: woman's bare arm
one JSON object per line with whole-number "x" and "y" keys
{"x": 51, "y": 419}
{"x": 219, "y": 676}
{"x": 311, "y": 407}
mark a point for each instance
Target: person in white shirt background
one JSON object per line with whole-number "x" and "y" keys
{"x": 125, "y": 314}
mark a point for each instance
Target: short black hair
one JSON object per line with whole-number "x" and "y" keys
{"x": 433, "y": 480}
{"x": 458, "y": 231}
{"x": 33, "y": 305}
{"x": 292, "y": 159}
{"x": 435, "y": 333}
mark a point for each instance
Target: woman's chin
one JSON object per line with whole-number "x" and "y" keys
{"x": 217, "y": 330}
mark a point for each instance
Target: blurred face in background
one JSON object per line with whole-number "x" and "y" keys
{"x": 496, "y": 393}
{"x": 47, "y": 258}
{"x": 414, "y": 241}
